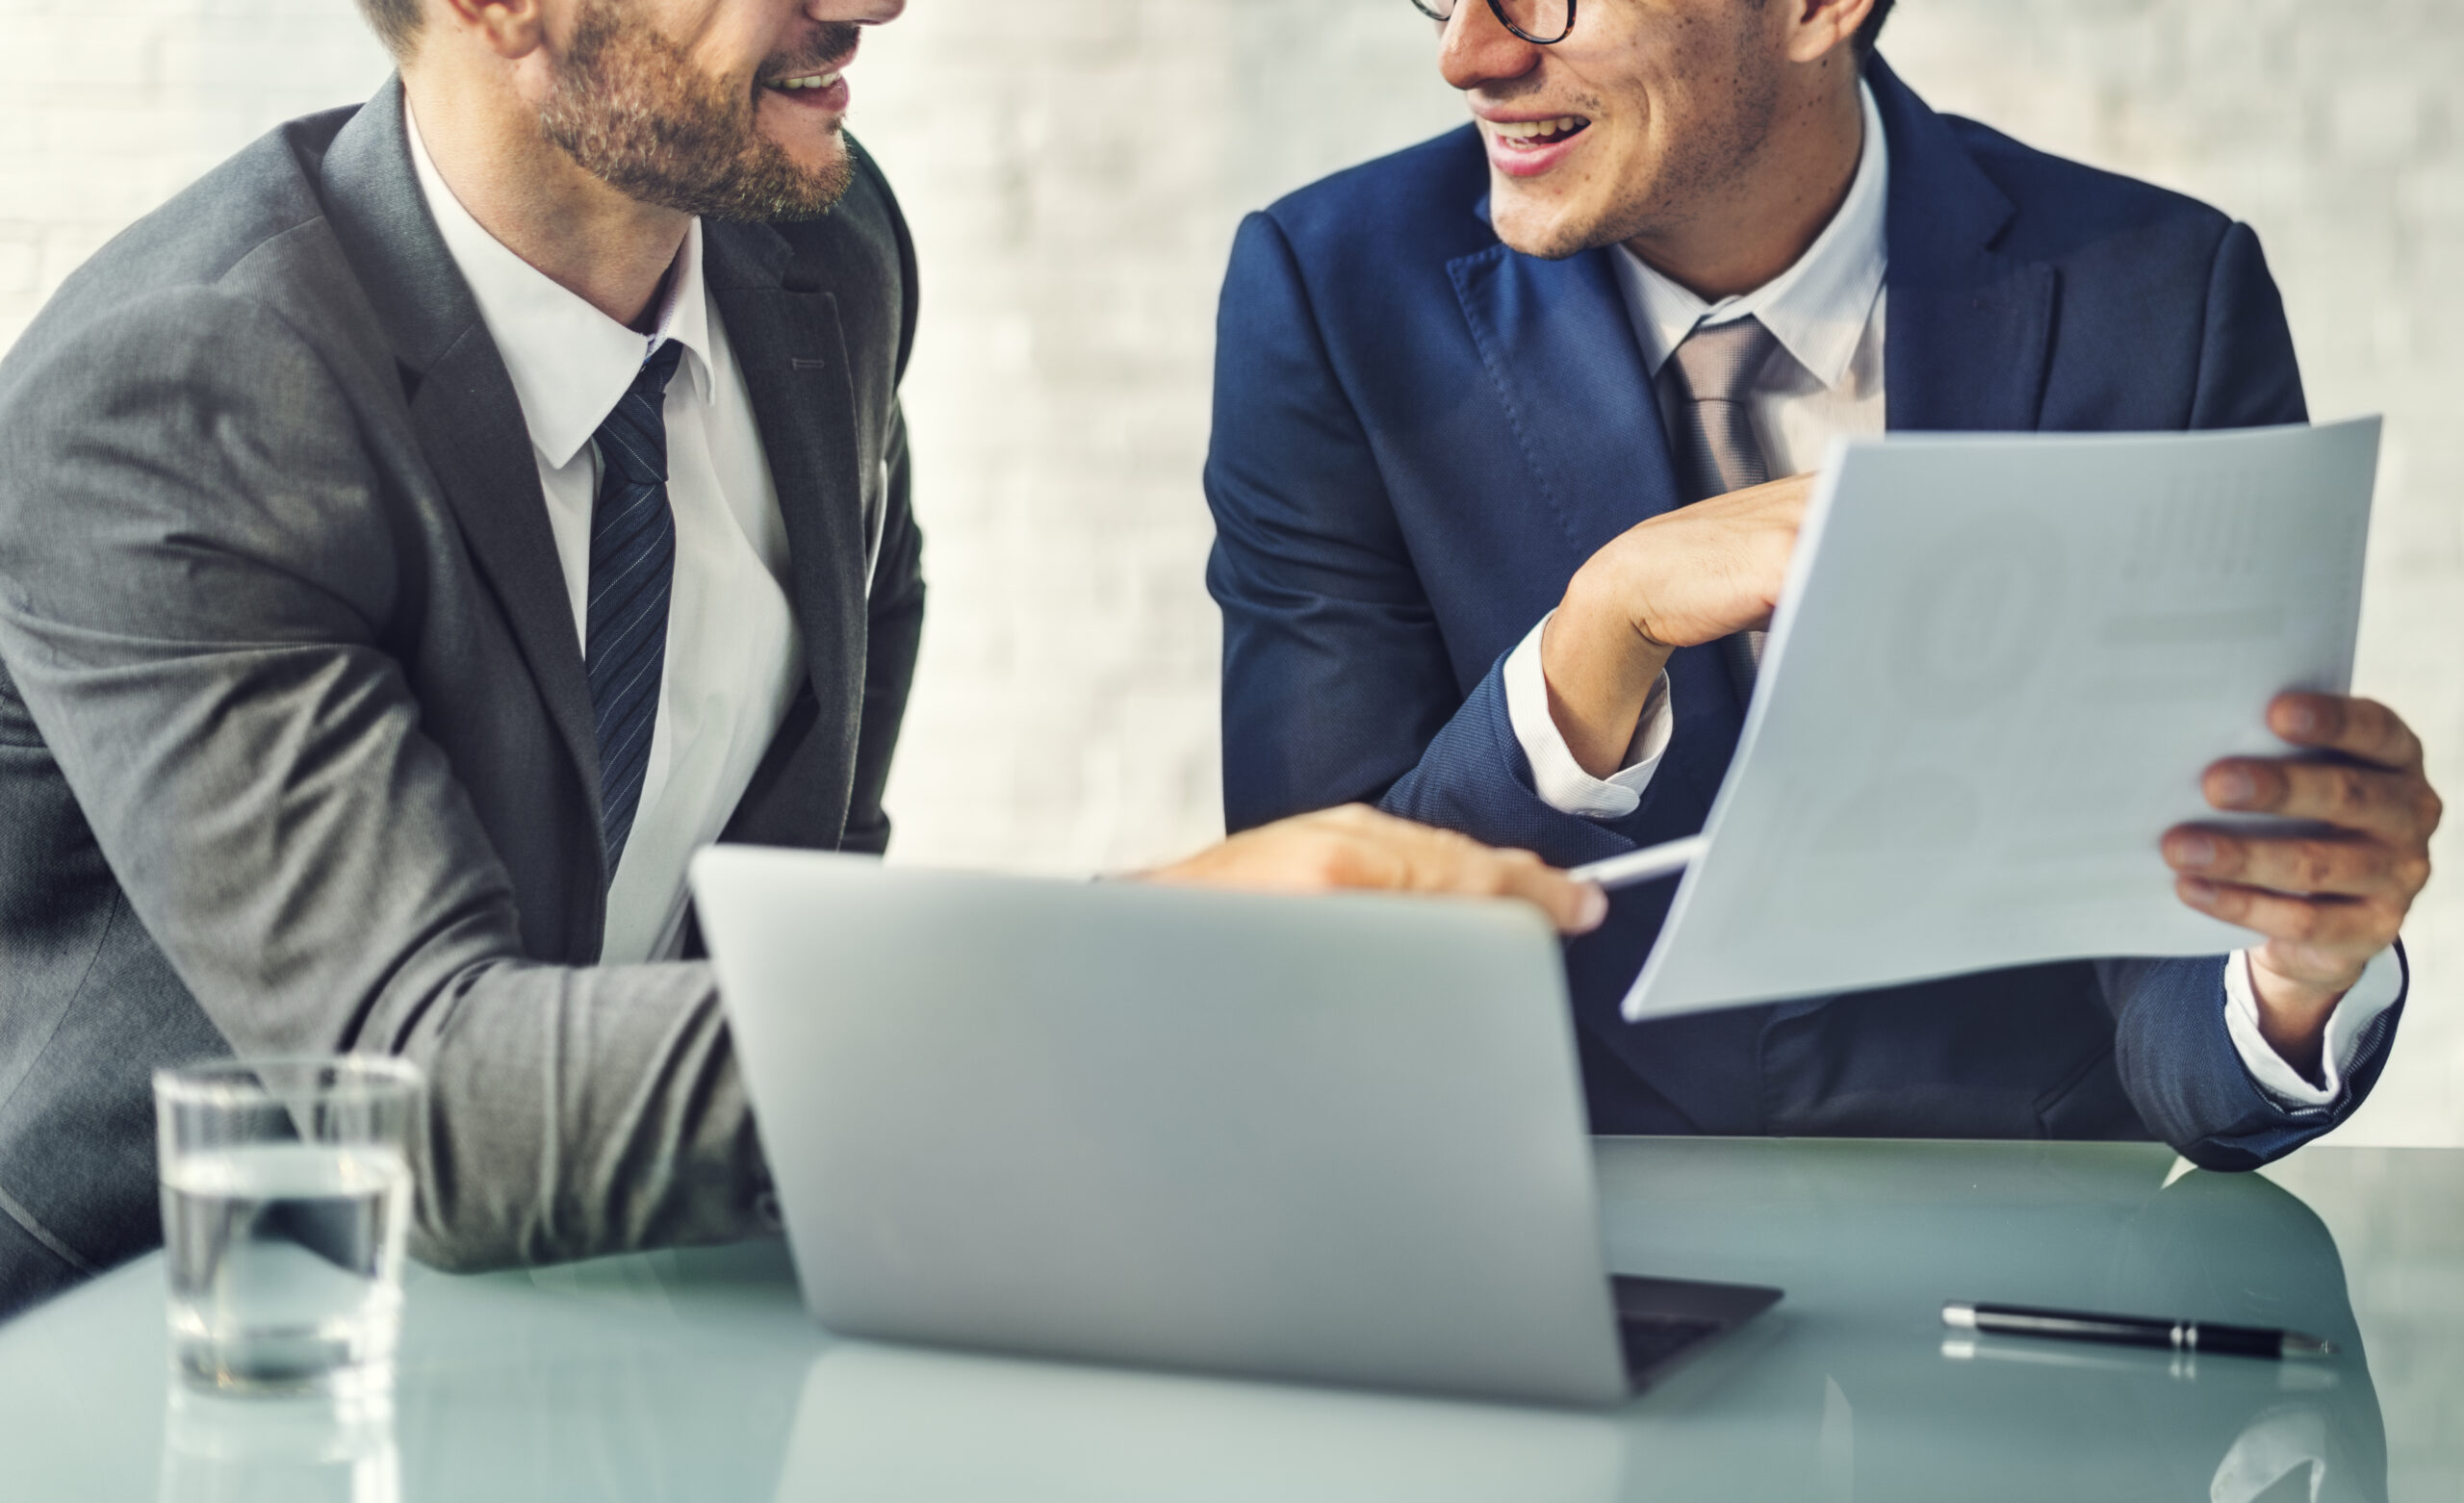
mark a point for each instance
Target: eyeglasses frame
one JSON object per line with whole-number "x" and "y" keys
{"x": 1497, "y": 8}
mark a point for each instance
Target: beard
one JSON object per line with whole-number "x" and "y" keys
{"x": 633, "y": 111}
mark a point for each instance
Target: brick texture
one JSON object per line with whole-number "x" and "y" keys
{"x": 1074, "y": 169}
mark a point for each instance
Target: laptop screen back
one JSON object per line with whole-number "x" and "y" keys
{"x": 1335, "y": 1140}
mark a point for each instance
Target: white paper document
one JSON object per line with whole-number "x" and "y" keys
{"x": 1998, "y": 669}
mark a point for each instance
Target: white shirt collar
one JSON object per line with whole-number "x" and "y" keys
{"x": 1818, "y": 308}
{"x": 569, "y": 363}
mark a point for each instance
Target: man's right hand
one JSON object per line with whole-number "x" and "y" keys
{"x": 1679, "y": 580}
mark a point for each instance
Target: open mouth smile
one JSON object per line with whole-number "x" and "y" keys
{"x": 1533, "y": 135}
{"x": 1528, "y": 148}
{"x": 826, "y": 79}
{"x": 814, "y": 86}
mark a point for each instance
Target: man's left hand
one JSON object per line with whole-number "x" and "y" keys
{"x": 2326, "y": 903}
{"x": 1358, "y": 847}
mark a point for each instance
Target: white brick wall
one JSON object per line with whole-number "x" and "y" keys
{"x": 108, "y": 107}
{"x": 1073, "y": 184}
{"x": 1074, "y": 168}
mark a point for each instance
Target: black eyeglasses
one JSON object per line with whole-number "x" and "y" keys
{"x": 1539, "y": 22}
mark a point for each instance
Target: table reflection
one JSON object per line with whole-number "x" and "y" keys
{"x": 879, "y": 1422}
{"x": 2129, "y": 1423}
{"x": 696, "y": 1376}
{"x": 1846, "y": 1391}
{"x": 220, "y": 1449}
{"x": 1861, "y": 1399}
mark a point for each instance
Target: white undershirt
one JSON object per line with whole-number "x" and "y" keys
{"x": 734, "y": 656}
{"x": 1825, "y": 380}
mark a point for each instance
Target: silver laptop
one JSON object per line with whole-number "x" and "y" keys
{"x": 1323, "y": 1139}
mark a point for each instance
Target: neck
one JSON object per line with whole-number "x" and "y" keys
{"x": 1782, "y": 195}
{"x": 611, "y": 251}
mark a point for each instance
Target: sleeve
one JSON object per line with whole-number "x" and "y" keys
{"x": 2248, "y": 375}
{"x": 2382, "y": 982}
{"x": 2179, "y": 1065}
{"x": 1336, "y": 683}
{"x": 198, "y": 566}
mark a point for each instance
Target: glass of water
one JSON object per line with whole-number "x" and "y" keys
{"x": 286, "y": 1201}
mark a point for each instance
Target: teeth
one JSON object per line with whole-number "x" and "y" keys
{"x": 808, "y": 81}
{"x": 1525, "y": 130}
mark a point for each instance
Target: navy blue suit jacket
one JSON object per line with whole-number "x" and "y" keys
{"x": 1421, "y": 434}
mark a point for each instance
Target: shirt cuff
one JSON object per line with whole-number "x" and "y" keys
{"x": 2382, "y": 982}
{"x": 1556, "y": 776}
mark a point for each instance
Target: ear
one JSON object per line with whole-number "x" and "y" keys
{"x": 511, "y": 28}
{"x": 1815, "y": 27}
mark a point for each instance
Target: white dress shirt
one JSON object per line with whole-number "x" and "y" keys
{"x": 733, "y": 652}
{"x": 1824, "y": 380}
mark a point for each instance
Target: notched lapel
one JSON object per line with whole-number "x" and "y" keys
{"x": 781, "y": 320}
{"x": 470, "y": 426}
{"x": 1970, "y": 329}
{"x": 1557, "y": 345}
{"x": 469, "y": 423}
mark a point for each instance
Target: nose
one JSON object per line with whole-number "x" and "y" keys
{"x": 1478, "y": 49}
{"x": 863, "y": 13}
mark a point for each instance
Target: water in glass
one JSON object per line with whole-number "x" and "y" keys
{"x": 285, "y": 1263}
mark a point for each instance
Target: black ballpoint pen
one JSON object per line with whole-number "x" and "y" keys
{"x": 2177, "y": 1336}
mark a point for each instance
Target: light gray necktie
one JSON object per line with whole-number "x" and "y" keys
{"x": 1710, "y": 374}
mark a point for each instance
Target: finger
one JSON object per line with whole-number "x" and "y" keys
{"x": 1573, "y": 907}
{"x": 2355, "y": 927}
{"x": 1354, "y": 845}
{"x": 1377, "y": 849}
{"x": 2395, "y": 807}
{"x": 1443, "y": 860}
{"x": 2334, "y": 865}
{"x": 1362, "y": 819}
{"x": 2363, "y": 728}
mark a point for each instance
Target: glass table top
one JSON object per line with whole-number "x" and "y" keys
{"x": 695, "y": 1374}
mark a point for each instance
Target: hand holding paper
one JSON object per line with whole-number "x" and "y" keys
{"x": 1997, "y": 674}
{"x": 2329, "y": 899}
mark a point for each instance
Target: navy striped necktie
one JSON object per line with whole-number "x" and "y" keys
{"x": 633, "y": 565}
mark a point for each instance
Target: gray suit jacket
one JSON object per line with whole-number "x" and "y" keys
{"x": 296, "y": 748}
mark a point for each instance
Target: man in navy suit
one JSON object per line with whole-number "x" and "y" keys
{"x": 1505, "y": 432}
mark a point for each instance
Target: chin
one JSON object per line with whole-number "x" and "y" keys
{"x": 1552, "y": 232}
{"x": 816, "y": 137}
{"x": 829, "y": 155}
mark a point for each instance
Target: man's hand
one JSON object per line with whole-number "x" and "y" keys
{"x": 1683, "y": 578}
{"x": 1357, "y": 847}
{"x": 2326, "y": 904}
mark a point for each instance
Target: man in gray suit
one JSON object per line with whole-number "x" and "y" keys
{"x": 414, "y": 540}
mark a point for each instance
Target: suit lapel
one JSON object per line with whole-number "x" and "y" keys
{"x": 1555, "y": 341}
{"x": 1559, "y": 350}
{"x": 1969, "y": 328}
{"x": 781, "y": 318}
{"x": 470, "y": 425}
{"x": 467, "y": 419}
